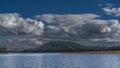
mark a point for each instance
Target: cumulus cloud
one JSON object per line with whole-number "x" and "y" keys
{"x": 81, "y": 25}
{"x": 112, "y": 11}
{"x": 70, "y": 26}
{"x": 100, "y": 28}
{"x": 80, "y": 28}
{"x": 12, "y": 23}
{"x": 68, "y": 18}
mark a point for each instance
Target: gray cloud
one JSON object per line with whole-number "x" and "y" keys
{"x": 12, "y": 23}
{"x": 70, "y": 26}
{"x": 85, "y": 29}
{"x": 81, "y": 25}
{"x": 67, "y": 19}
{"x": 100, "y": 28}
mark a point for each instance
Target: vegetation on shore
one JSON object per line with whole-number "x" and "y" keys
{"x": 67, "y": 46}
{"x": 3, "y": 50}
{"x": 63, "y": 46}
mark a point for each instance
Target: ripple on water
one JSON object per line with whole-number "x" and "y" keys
{"x": 59, "y": 60}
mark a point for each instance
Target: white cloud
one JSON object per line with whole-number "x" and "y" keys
{"x": 101, "y": 4}
{"x": 73, "y": 27}
{"x": 112, "y": 11}
{"x": 82, "y": 25}
{"x": 109, "y": 5}
{"x": 67, "y": 20}
{"x": 14, "y": 24}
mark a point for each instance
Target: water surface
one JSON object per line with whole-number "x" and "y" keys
{"x": 59, "y": 60}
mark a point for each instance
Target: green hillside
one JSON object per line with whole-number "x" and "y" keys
{"x": 67, "y": 46}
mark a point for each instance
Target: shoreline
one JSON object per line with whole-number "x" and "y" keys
{"x": 82, "y": 52}
{"x": 94, "y": 52}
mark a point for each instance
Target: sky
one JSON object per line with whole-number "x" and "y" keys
{"x": 29, "y": 8}
{"x": 34, "y": 7}
{"x": 93, "y": 20}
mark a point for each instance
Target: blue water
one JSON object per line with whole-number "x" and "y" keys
{"x": 59, "y": 60}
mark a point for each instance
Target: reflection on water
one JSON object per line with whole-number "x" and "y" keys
{"x": 59, "y": 60}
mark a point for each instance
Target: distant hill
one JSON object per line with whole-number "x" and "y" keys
{"x": 68, "y": 46}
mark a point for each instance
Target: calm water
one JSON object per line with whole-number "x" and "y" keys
{"x": 59, "y": 60}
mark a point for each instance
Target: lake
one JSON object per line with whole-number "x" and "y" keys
{"x": 59, "y": 60}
